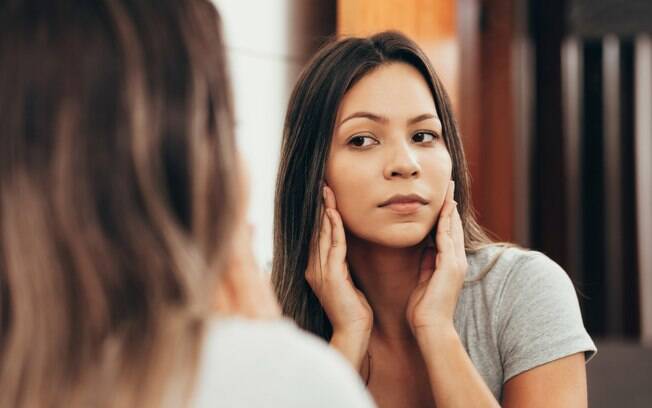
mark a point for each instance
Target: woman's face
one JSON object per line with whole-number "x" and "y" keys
{"x": 388, "y": 164}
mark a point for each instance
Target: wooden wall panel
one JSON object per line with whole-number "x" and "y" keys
{"x": 421, "y": 19}
{"x": 495, "y": 181}
{"x": 431, "y": 23}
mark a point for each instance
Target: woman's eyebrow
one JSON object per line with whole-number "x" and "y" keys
{"x": 422, "y": 117}
{"x": 365, "y": 115}
{"x": 384, "y": 119}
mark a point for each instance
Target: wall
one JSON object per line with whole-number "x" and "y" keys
{"x": 267, "y": 44}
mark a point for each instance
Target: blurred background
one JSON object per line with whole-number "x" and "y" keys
{"x": 554, "y": 100}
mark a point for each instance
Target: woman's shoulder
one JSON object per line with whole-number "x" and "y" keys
{"x": 533, "y": 307}
{"x": 498, "y": 263}
{"x": 272, "y": 363}
{"x": 498, "y": 274}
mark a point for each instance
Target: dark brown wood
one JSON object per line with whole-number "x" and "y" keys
{"x": 496, "y": 186}
{"x": 470, "y": 107}
{"x": 630, "y": 266}
{"x": 548, "y": 181}
{"x": 486, "y": 112}
{"x": 597, "y": 18}
{"x": 592, "y": 187}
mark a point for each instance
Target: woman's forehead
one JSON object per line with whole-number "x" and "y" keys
{"x": 396, "y": 91}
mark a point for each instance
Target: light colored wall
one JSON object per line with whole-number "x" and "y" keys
{"x": 267, "y": 43}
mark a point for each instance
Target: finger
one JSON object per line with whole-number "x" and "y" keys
{"x": 462, "y": 261}
{"x": 318, "y": 249}
{"x": 312, "y": 253}
{"x": 444, "y": 221}
{"x": 457, "y": 233}
{"x": 446, "y": 257}
{"x": 443, "y": 239}
{"x": 450, "y": 193}
{"x": 337, "y": 253}
{"x": 325, "y": 238}
{"x": 447, "y": 207}
{"x": 329, "y": 198}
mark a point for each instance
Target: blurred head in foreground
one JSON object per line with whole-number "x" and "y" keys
{"x": 117, "y": 196}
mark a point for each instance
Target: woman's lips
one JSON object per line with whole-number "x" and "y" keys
{"x": 404, "y": 204}
{"x": 404, "y": 207}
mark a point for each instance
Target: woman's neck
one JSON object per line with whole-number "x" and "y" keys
{"x": 387, "y": 277}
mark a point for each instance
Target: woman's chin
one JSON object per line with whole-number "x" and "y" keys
{"x": 403, "y": 236}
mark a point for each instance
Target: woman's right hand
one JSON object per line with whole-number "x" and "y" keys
{"x": 328, "y": 276}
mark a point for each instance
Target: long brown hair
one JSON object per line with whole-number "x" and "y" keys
{"x": 307, "y": 136}
{"x": 116, "y": 198}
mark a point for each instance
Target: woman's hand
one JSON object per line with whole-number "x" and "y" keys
{"x": 328, "y": 276}
{"x": 432, "y": 303}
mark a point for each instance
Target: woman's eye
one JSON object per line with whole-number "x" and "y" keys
{"x": 424, "y": 137}
{"x": 362, "y": 141}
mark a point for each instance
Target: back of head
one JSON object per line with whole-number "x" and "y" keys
{"x": 114, "y": 197}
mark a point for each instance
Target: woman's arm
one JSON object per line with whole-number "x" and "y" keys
{"x": 560, "y": 383}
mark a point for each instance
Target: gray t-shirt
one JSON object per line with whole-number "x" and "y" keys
{"x": 522, "y": 314}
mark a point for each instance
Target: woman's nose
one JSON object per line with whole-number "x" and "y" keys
{"x": 402, "y": 163}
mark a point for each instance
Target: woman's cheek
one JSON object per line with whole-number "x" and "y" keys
{"x": 349, "y": 179}
{"x": 354, "y": 205}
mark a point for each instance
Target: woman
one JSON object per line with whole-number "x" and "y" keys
{"x": 125, "y": 278}
{"x": 378, "y": 252}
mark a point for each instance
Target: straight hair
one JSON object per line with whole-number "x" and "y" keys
{"x": 116, "y": 198}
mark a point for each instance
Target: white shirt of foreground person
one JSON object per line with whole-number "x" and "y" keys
{"x": 271, "y": 363}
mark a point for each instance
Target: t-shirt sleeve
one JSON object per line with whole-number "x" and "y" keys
{"x": 538, "y": 317}
{"x": 274, "y": 364}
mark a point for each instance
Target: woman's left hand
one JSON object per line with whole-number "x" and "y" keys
{"x": 432, "y": 302}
